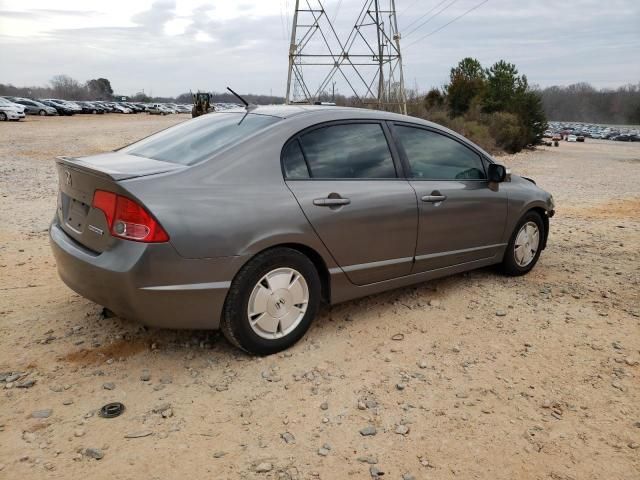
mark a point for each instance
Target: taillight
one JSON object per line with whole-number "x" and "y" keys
{"x": 127, "y": 219}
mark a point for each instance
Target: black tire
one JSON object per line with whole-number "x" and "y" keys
{"x": 3, "y": 117}
{"x": 42, "y": 113}
{"x": 509, "y": 264}
{"x": 234, "y": 323}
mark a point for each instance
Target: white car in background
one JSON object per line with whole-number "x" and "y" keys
{"x": 10, "y": 110}
{"x": 572, "y": 138}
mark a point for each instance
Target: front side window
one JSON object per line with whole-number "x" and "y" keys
{"x": 352, "y": 150}
{"x": 433, "y": 156}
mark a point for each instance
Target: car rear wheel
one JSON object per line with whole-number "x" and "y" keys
{"x": 525, "y": 245}
{"x": 42, "y": 113}
{"x": 271, "y": 302}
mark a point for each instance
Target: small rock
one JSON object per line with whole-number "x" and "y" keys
{"x": 375, "y": 472}
{"x": 434, "y": 303}
{"x": 402, "y": 429}
{"x": 501, "y": 313}
{"x": 401, "y": 386}
{"x": 408, "y": 476}
{"x": 167, "y": 413}
{"x": 288, "y": 437}
{"x": 46, "y": 413}
{"x": 26, "y": 384}
{"x": 94, "y": 453}
{"x": 368, "y": 431}
{"x": 264, "y": 467}
{"x": 68, "y": 401}
{"x": 633, "y": 445}
{"x": 219, "y": 454}
{"x": 166, "y": 379}
{"x": 371, "y": 460}
{"x": 323, "y": 452}
{"x": 141, "y": 434}
{"x": 109, "y": 386}
{"x": 79, "y": 432}
{"x": 398, "y": 337}
{"x": 324, "y": 406}
{"x": 422, "y": 364}
{"x": 145, "y": 376}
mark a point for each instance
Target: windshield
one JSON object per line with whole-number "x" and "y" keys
{"x": 196, "y": 140}
{"x": 4, "y": 101}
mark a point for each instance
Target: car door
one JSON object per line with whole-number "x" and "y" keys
{"x": 345, "y": 179}
{"x": 462, "y": 215}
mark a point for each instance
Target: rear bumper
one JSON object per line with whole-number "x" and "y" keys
{"x": 148, "y": 283}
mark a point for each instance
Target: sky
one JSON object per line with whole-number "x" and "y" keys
{"x": 167, "y": 47}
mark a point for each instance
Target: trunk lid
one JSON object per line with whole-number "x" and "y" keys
{"x": 79, "y": 178}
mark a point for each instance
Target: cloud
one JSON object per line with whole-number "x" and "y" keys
{"x": 169, "y": 50}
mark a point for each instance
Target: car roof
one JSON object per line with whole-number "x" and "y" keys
{"x": 327, "y": 113}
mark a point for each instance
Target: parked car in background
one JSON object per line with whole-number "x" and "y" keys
{"x": 158, "y": 109}
{"x": 61, "y": 109}
{"x": 33, "y": 107}
{"x": 572, "y": 138}
{"x": 10, "y": 110}
{"x": 71, "y": 105}
{"x": 183, "y": 108}
{"x": 247, "y": 220}
{"x": 580, "y": 138}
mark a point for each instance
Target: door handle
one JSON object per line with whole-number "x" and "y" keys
{"x": 331, "y": 202}
{"x": 434, "y": 198}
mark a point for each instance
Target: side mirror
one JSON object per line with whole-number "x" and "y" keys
{"x": 497, "y": 172}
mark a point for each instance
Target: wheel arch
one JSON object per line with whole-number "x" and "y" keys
{"x": 545, "y": 221}
{"x": 312, "y": 254}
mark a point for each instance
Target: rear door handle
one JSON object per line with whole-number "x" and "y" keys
{"x": 434, "y": 198}
{"x": 331, "y": 202}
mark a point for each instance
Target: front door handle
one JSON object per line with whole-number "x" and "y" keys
{"x": 331, "y": 202}
{"x": 434, "y": 198}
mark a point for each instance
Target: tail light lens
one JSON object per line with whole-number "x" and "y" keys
{"x": 127, "y": 219}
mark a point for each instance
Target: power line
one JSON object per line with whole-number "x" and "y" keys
{"x": 447, "y": 24}
{"x": 428, "y": 12}
{"x": 431, "y": 18}
{"x": 335, "y": 15}
{"x": 406, "y": 9}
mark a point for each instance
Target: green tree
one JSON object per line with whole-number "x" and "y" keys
{"x": 466, "y": 81}
{"x": 100, "y": 89}
{"x": 503, "y": 87}
{"x": 433, "y": 99}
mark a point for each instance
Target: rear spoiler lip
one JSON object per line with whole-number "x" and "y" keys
{"x": 77, "y": 163}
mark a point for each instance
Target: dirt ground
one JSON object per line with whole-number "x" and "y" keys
{"x": 476, "y": 376}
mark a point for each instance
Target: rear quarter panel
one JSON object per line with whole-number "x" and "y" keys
{"x": 235, "y": 204}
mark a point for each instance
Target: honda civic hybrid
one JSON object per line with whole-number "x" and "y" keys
{"x": 248, "y": 220}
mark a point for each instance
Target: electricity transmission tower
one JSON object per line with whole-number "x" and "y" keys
{"x": 367, "y": 62}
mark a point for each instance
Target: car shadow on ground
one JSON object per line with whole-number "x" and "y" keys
{"x": 99, "y": 335}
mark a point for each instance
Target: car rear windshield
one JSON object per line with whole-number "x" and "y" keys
{"x": 196, "y": 140}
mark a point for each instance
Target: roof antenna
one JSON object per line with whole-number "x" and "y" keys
{"x": 247, "y": 105}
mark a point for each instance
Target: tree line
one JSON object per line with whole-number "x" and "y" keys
{"x": 582, "y": 102}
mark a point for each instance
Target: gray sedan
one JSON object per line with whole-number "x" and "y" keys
{"x": 248, "y": 220}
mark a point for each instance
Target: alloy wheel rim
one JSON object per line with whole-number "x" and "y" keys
{"x": 278, "y": 303}
{"x": 526, "y": 244}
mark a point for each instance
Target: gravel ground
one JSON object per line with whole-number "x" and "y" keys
{"x": 474, "y": 376}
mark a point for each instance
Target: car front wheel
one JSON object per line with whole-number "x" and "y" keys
{"x": 42, "y": 113}
{"x": 524, "y": 246}
{"x": 271, "y": 302}
{"x": 3, "y": 117}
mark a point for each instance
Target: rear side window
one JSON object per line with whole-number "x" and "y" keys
{"x": 353, "y": 150}
{"x": 196, "y": 140}
{"x": 293, "y": 160}
{"x": 433, "y": 156}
